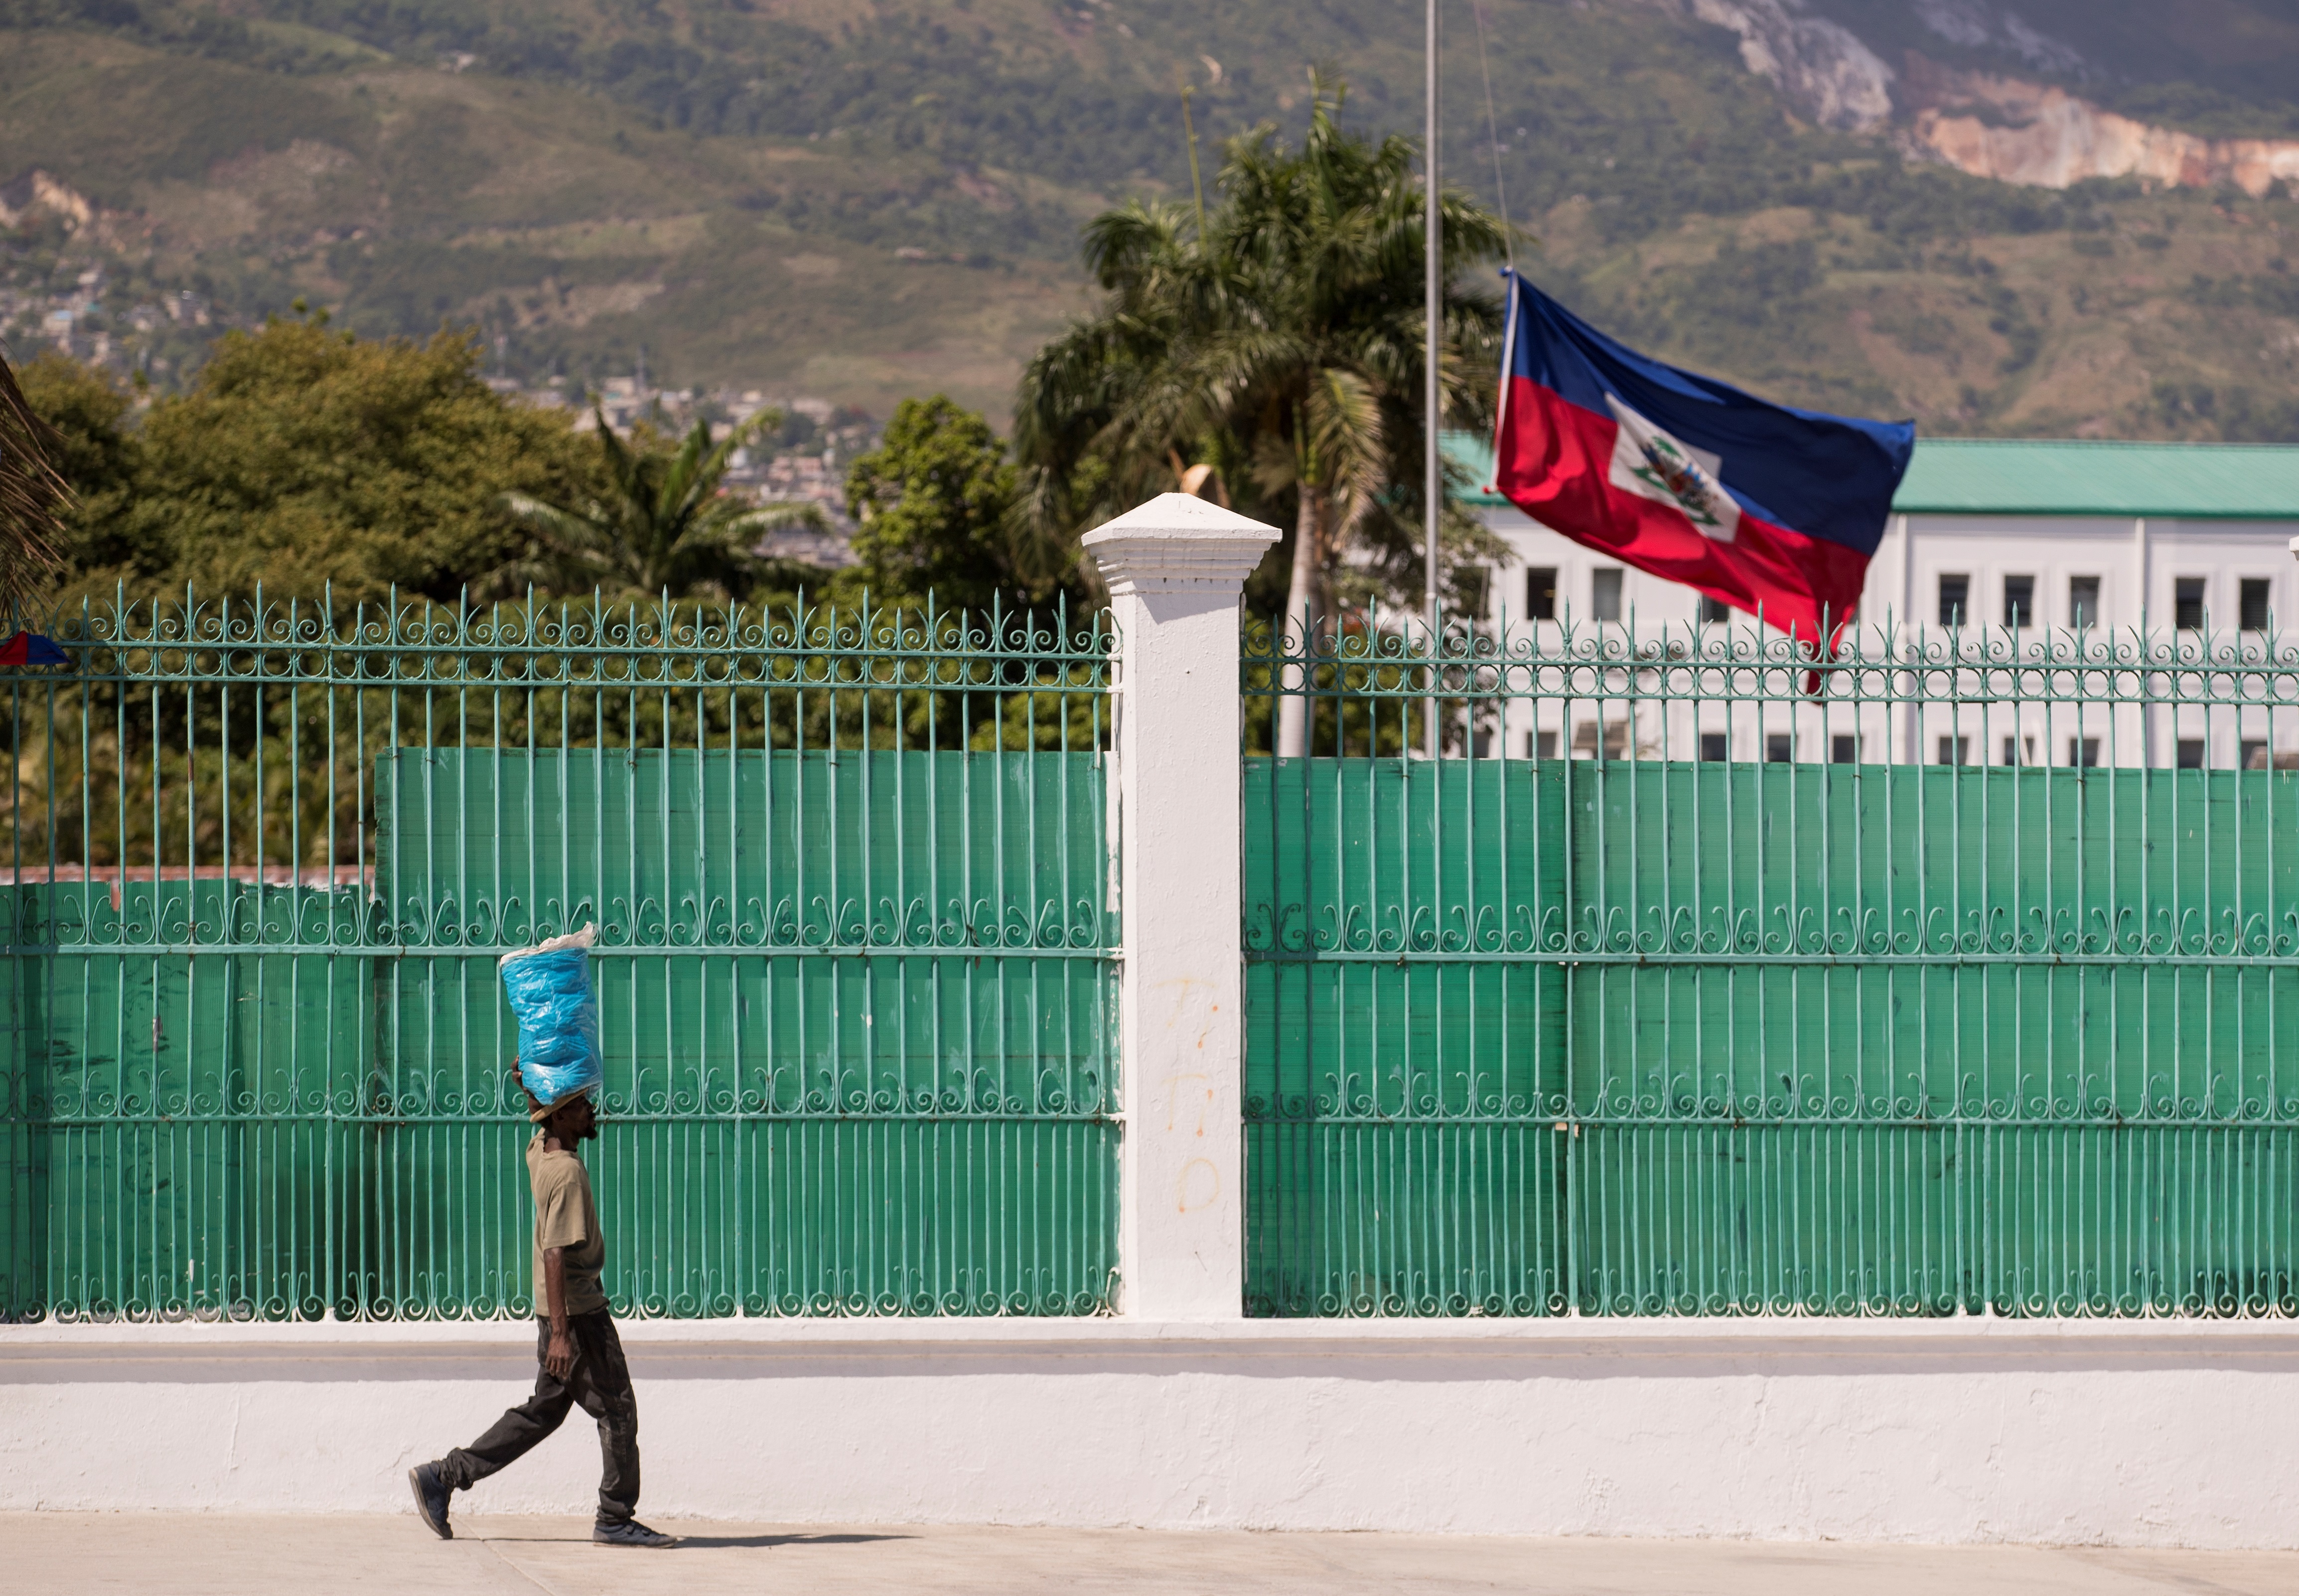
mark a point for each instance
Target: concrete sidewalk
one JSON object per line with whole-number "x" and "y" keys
{"x": 196, "y": 1555}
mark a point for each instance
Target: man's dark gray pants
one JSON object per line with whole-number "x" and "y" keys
{"x": 600, "y": 1384}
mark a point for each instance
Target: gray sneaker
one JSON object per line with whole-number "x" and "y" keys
{"x": 628, "y": 1531}
{"x": 431, "y": 1498}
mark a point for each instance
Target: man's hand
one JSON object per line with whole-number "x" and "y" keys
{"x": 558, "y": 1358}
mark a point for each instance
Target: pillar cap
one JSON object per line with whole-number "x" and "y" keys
{"x": 1179, "y": 543}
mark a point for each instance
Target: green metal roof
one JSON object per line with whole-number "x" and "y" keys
{"x": 1967, "y": 476}
{"x": 1472, "y": 452}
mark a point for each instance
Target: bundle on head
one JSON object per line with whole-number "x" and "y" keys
{"x": 32, "y": 497}
{"x": 538, "y": 1111}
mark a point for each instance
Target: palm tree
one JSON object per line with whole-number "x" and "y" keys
{"x": 663, "y": 526}
{"x": 1281, "y": 344}
{"x": 32, "y": 495}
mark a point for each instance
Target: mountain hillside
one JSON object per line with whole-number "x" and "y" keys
{"x": 858, "y": 199}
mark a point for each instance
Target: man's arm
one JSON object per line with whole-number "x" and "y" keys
{"x": 558, "y": 1358}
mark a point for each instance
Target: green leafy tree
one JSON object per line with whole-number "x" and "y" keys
{"x": 661, "y": 524}
{"x": 303, "y": 458}
{"x": 934, "y": 503}
{"x": 1281, "y": 344}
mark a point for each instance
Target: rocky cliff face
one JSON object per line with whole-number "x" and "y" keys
{"x": 2032, "y": 133}
{"x": 1823, "y": 68}
{"x": 37, "y": 191}
{"x": 1975, "y": 25}
{"x": 1991, "y": 126}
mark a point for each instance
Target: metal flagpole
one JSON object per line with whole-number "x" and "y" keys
{"x": 1433, "y": 481}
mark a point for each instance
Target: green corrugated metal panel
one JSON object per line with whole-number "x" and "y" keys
{"x": 1628, "y": 1036}
{"x": 856, "y": 978}
{"x": 1956, "y": 476}
{"x": 778, "y": 928}
{"x": 863, "y": 849}
{"x": 176, "y": 1135}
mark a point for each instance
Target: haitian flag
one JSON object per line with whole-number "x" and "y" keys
{"x": 1759, "y": 504}
{"x": 30, "y": 648}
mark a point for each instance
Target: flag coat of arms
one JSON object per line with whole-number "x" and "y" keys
{"x": 1773, "y": 510}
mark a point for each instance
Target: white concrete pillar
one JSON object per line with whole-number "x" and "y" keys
{"x": 1175, "y": 567}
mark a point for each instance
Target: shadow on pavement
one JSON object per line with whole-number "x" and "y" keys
{"x": 791, "y": 1540}
{"x": 693, "y": 1539}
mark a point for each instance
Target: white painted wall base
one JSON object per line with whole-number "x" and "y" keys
{"x": 2119, "y": 1434}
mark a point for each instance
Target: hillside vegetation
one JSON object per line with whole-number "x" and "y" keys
{"x": 865, "y": 200}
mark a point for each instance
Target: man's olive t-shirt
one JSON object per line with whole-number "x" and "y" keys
{"x": 566, "y": 1217}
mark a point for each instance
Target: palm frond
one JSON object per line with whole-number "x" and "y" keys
{"x": 721, "y": 459}
{"x": 567, "y": 529}
{"x": 1342, "y": 421}
{"x": 32, "y": 496}
{"x": 753, "y": 521}
{"x": 682, "y": 484}
{"x": 1042, "y": 523}
{"x": 1289, "y": 341}
{"x": 622, "y": 466}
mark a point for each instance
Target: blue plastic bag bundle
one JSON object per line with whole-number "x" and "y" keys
{"x": 549, "y": 987}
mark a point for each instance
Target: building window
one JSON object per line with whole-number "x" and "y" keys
{"x": 2188, "y": 603}
{"x": 2019, "y": 602}
{"x": 2187, "y": 753}
{"x": 1615, "y": 744}
{"x": 1844, "y": 749}
{"x": 2083, "y": 601}
{"x": 2252, "y": 753}
{"x": 1780, "y": 747}
{"x": 2251, "y": 603}
{"x": 1604, "y": 593}
{"x": 2019, "y": 751}
{"x": 1715, "y": 610}
{"x": 2083, "y": 753}
{"x": 1541, "y": 592}
{"x": 1955, "y": 599}
{"x": 1953, "y": 751}
{"x": 1716, "y": 747}
{"x": 1541, "y": 745}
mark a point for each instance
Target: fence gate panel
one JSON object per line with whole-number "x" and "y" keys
{"x": 850, "y": 876}
{"x": 1728, "y": 1009}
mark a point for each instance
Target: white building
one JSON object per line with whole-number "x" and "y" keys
{"x": 2013, "y": 552}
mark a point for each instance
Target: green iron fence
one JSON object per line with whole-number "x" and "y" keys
{"x": 851, "y": 875}
{"x": 1680, "y": 986}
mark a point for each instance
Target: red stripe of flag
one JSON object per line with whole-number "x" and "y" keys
{"x": 1554, "y": 462}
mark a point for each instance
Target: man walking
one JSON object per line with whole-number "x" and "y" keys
{"x": 581, "y": 1356}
